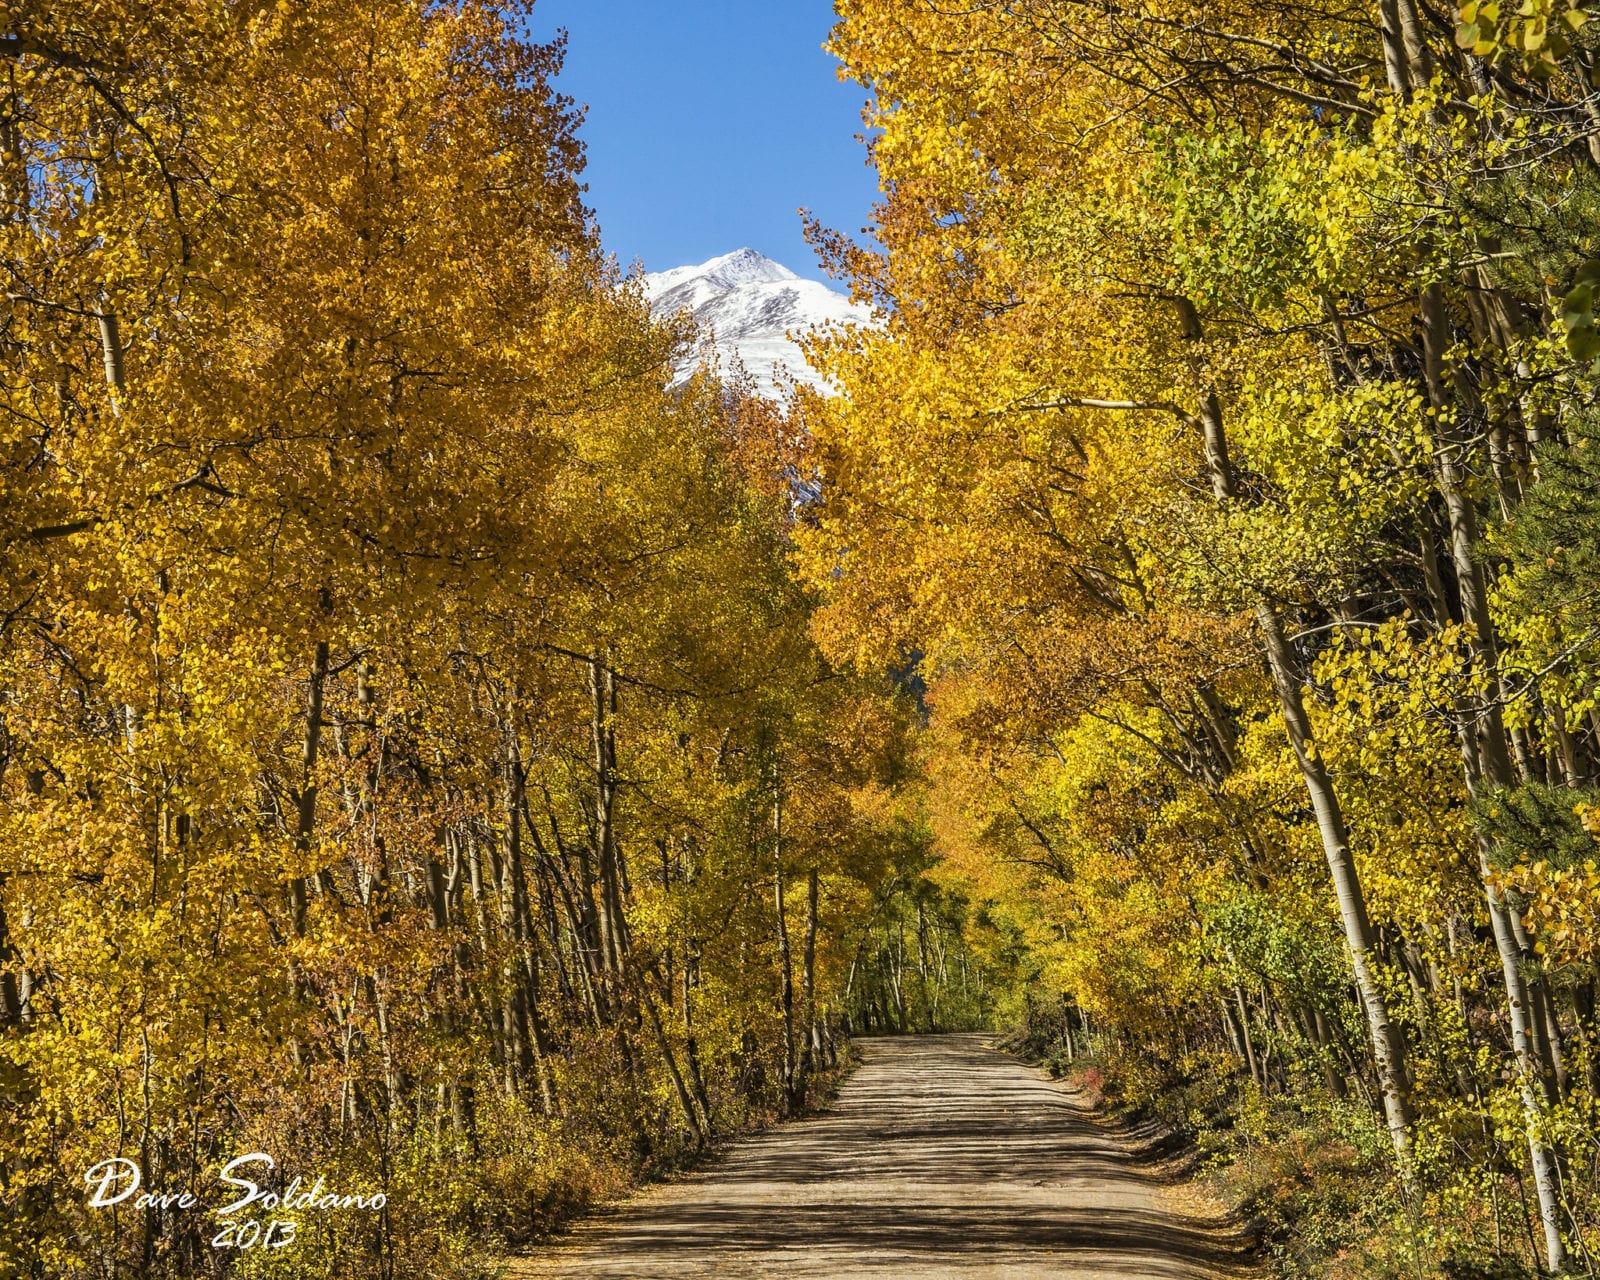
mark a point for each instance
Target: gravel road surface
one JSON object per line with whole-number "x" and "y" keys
{"x": 940, "y": 1158}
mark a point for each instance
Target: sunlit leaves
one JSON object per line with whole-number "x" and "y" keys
{"x": 1538, "y": 34}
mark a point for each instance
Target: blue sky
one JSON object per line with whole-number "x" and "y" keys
{"x": 710, "y": 123}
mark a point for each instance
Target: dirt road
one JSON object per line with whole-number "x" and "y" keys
{"x": 940, "y": 1158}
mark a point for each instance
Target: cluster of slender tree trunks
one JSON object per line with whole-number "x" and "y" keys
{"x": 910, "y": 974}
{"x": 1486, "y": 755}
{"x": 537, "y": 898}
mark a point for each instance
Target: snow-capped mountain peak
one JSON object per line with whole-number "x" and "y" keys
{"x": 730, "y": 271}
{"x": 749, "y": 308}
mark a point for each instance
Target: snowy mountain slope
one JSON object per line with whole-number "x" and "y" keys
{"x": 747, "y": 305}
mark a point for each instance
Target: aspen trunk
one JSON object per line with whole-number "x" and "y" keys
{"x": 1394, "y": 57}
{"x": 691, "y": 1045}
{"x": 10, "y": 991}
{"x": 524, "y": 977}
{"x": 1388, "y": 1049}
{"x": 897, "y": 969}
{"x": 578, "y": 928}
{"x": 111, "y": 349}
{"x": 1419, "y": 61}
{"x": 1485, "y": 756}
{"x": 792, "y": 1084}
{"x": 614, "y": 945}
{"x": 1256, "y": 1073}
{"x": 306, "y": 816}
{"x": 1324, "y": 1041}
{"x": 1584, "y": 1017}
{"x": 685, "y": 1101}
{"x": 602, "y": 684}
{"x": 923, "y": 970}
{"x": 808, "y": 979}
